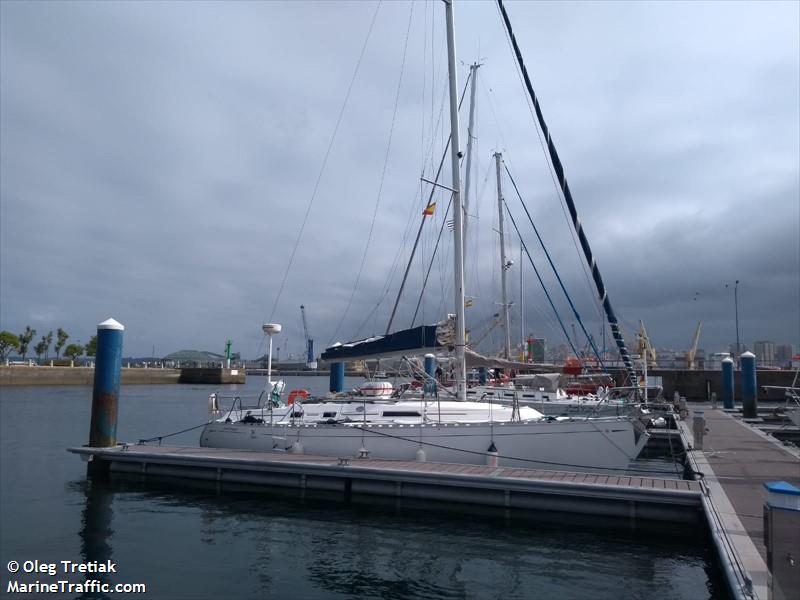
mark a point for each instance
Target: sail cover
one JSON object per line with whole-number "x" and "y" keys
{"x": 475, "y": 359}
{"x": 417, "y": 340}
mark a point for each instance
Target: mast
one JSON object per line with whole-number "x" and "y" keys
{"x": 473, "y": 72}
{"x": 504, "y": 264}
{"x": 521, "y": 307}
{"x": 458, "y": 214}
{"x": 562, "y": 180}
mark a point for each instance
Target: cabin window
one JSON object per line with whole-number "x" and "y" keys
{"x": 328, "y": 415}
{"x": 401, "y": 413}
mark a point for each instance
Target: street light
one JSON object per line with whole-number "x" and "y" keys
{"x": 736, "y": 307}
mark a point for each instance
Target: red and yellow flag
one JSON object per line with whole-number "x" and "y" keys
{"x": 429, "y": 209}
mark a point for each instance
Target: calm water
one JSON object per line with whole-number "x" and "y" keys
{"x": 188, "y": 541}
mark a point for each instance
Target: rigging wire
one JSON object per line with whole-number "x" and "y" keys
{"x": 559, "y": 169}
{"x": 539, "y": 277}
{"x": 324, "y": 162}
{"x": 433, "y": 255}
{"x": 561, "y": 201}
{"x": 555, "y": 271}
{"x": 393, "y": 270}
{"x": 383, "y": 174}
{"x": 422, "y": 221}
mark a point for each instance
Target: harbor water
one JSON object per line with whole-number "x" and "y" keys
{"x": 187, "y": 540}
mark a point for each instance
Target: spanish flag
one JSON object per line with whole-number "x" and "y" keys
{"x": 429, "y": 209}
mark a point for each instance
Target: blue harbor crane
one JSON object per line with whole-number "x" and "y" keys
{"x": 310, "y": 362}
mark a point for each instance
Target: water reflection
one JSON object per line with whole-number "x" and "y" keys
{"x": 96, "y": 533}
{"x": 273, "y": 542}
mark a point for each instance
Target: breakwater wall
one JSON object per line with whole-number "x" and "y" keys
{"x": 40, "y": 375}
{"x": 698, "y": 385}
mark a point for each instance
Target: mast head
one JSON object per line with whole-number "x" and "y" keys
{"x": 271, "y": 328}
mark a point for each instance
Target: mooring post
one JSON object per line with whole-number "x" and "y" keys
{"x": 337, "y": 377}
{"x": 430, "y": 371}
{"x": 105, "y": 395}
{"x": 749, "y": 385}
{"x": 727, "y": 383}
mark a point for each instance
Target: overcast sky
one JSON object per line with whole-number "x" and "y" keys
{"x": 157, "y": 161}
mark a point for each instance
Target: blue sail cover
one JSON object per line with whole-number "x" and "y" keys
{"x": 407, "y": 341}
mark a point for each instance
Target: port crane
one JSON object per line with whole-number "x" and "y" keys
{"x": 646, "y": 350}
{"x": 310, "y": 362}
{"x": 690, "y": 355}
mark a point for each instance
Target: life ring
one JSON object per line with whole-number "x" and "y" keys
{"x": 295, "y": 394}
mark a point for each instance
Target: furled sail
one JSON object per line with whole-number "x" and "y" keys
{"x": 417, "y": 340}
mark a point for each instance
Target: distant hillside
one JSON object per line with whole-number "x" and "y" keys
{"x": 194, "y": 355}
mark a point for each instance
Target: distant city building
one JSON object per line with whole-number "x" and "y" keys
{"x": 765, "y": 353}
{"x": 713, "y": 361}
{"x": 665, "y": 359}
{"x": 681, "y": 360}
{"x": 783, "y": 354}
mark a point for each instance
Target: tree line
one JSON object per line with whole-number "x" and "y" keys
{"x": 22, "y": 344}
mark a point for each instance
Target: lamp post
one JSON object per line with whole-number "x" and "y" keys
{"x": 736, "y": 308}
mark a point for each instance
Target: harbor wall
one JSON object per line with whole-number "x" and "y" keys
{"x": 211, "y": 375}
{"x": 40, "y": 375}
{"x": 696, "y": 385}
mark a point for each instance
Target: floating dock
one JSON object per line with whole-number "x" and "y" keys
{"x": 631, "y": 498}
{"x": 735, "y": 461}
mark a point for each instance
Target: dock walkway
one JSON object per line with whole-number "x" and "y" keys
{"x": 631, "y": 498}
{"x": 736, "y": 461}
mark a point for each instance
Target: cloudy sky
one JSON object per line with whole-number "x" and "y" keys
{"x": 196, "y": 169}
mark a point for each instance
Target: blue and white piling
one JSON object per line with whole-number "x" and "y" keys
{"x": 727, "y": 383}
{"x": 337, "y": 377}
{"x": 105, "y": 394}
{"x": 749, "y": 385}
{"x": 430, "y": 371}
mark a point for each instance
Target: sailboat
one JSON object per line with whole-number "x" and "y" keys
{"x": 373, "y": 423}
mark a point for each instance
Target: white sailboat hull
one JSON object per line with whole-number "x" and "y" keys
{"x": 581, "y": 445}
{"x": 552, "y": 403}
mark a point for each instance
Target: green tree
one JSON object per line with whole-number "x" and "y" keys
{"x": 61, "y": 339}
{"x": 40, "y": 348}
{"x": 25, "y": 340}
{"x": 73, "y": 351}
{"x": 91, "y": 347}
{"x": 8, "y": 342}
{"x": 48, "y": 339}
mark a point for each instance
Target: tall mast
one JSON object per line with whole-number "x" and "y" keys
{"x": 458, "y": 224}
{"x": 498, "y": 158}
{"x": 473, "y": 72}
{"x": 562, "y": 180}
{"x": 521, "y": 305}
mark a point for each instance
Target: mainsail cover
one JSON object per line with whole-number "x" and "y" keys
{"x": 475, "y": 360}
{"x": 417, "y": 340}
